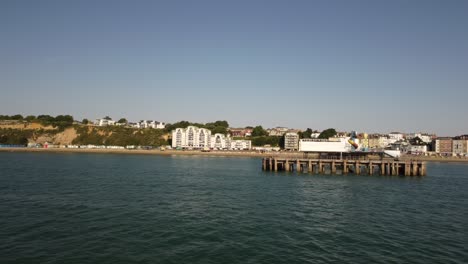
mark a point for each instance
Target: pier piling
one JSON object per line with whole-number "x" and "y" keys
{"x": 342, "y": 166}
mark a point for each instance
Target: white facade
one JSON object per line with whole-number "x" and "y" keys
{"x": 323, "y": 145}
{"x": 423, "y": 137}
{"x": 191, "y": 137}
{"x": 241, "y": 144}
{"x": 314, "y": 135}
{"x": 104, "y": 122}
{"x": 200, "y": 138}
{"x": 291, "y": 141}
{"x": 417, "y": 149}
{"x": 220, "y": 141}
{"x": 459, "y": 146}
{"x": 277, "y": 131}
{"x": 150, "y": 124}
{"x": 394, "y": 137}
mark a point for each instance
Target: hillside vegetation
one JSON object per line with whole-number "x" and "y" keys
{"x": 119, "y": 136}
{"x": 61, "y": 130}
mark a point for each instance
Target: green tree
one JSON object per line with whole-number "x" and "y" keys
{"x": 64, "y": 118}
{"x": 306, "y": 134}
{"x": 180, "y": 124}
{"x": 85, "y": 121}
{"x": 30, "y": 118}
{"x": 266, "y": 140}
{"x": 218, "y": 123}
{"x": 107, "y": 118}
{"x": 17, "y": 117}
{"x": 258, "y": 131}
{"x": 45, "y": 119}
{"x": 122, "y": 121}
{"x": 218, "y": 129}
{"x": 327, "y": 133}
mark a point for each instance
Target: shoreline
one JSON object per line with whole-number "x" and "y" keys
{"x": 251, "y": 154}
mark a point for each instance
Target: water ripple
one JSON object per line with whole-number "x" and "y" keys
{"x": 87, "y": 208}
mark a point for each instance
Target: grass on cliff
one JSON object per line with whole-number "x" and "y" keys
{"x": 119, "y": 136}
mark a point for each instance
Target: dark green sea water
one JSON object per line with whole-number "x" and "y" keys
{"x": 95, "y": 208}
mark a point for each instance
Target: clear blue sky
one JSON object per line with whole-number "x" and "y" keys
{"x": 375, "y": 66}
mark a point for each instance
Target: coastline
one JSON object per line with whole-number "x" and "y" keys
{"x": 252, "y": 154}
{"x": 144, "y": 152}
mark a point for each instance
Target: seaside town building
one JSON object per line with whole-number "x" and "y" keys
{"x": 149, "y": 124}
{"x": 417, "y": 146}
{"x": 141, "y": 124}
{"x": 459, "y": 146}
{"x": 277, "y": 131}
{"x": 364, "y": 141}
{"x": 443, "y": 146}
{"x": 424, "y": 137}
{"x": 191, "y": 137}
{"x": 219, "y": 141}
{"x": 378, "y": 141}
{"x": 291, "y": 141}
{"x": 104, "y": 122}
{"x": 394, "y": 137}
{"x": 241, "y": 144}
{"x": 240, "y": 132}
{"x": 200, "y": 138}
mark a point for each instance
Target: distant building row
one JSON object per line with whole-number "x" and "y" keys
{"x": 200, "y": 138}
{"x": 451, "y": 146}
{"x": 141, "y": 124}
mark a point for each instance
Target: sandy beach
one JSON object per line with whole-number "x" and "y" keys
{"x": 210, "y": 153}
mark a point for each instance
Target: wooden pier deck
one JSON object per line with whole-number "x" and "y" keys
{"x": 345, "y": 166}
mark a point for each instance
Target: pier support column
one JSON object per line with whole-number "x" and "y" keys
{"x": 358, "y": 168}
{"x": 270, "y": 164}
{"x": 422, "y": 172}
{"x": 371, "y": 168}
{"x": 382, "y": 168}
{"x": 276, "y": 164}
{"x": 298, "y": 166}
{"x": 320, "y": 167}
{"x": 345, "y": 167}
{"x": 333, "y": 167}
{"x": 309, "y": 167}
{"x": 286, "y": 165}
{"x": 415, "y": 168}
{"x": 407, "y": 168}
{"x": 264, "y": 164}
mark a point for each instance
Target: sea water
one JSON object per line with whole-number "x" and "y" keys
{"x": 105, "y": 208}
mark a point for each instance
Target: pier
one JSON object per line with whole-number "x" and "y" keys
{"x": 346, "y": 166}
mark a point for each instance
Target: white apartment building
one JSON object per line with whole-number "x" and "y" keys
{"x": 459, "y": 146}
{"x": 199, "y": 138}
{"x": 277, "y": 131}
{"x": 149, "y": 124}
{"x": 241, "y": 144}
{"x": 104, "y": 122}
{"x": 220, "y": 141}
{"x": 423, "y": 137}
{"x": 291, "y": 141}
{"x": 394, "y": 137}
{"x": 191, "y": 137}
